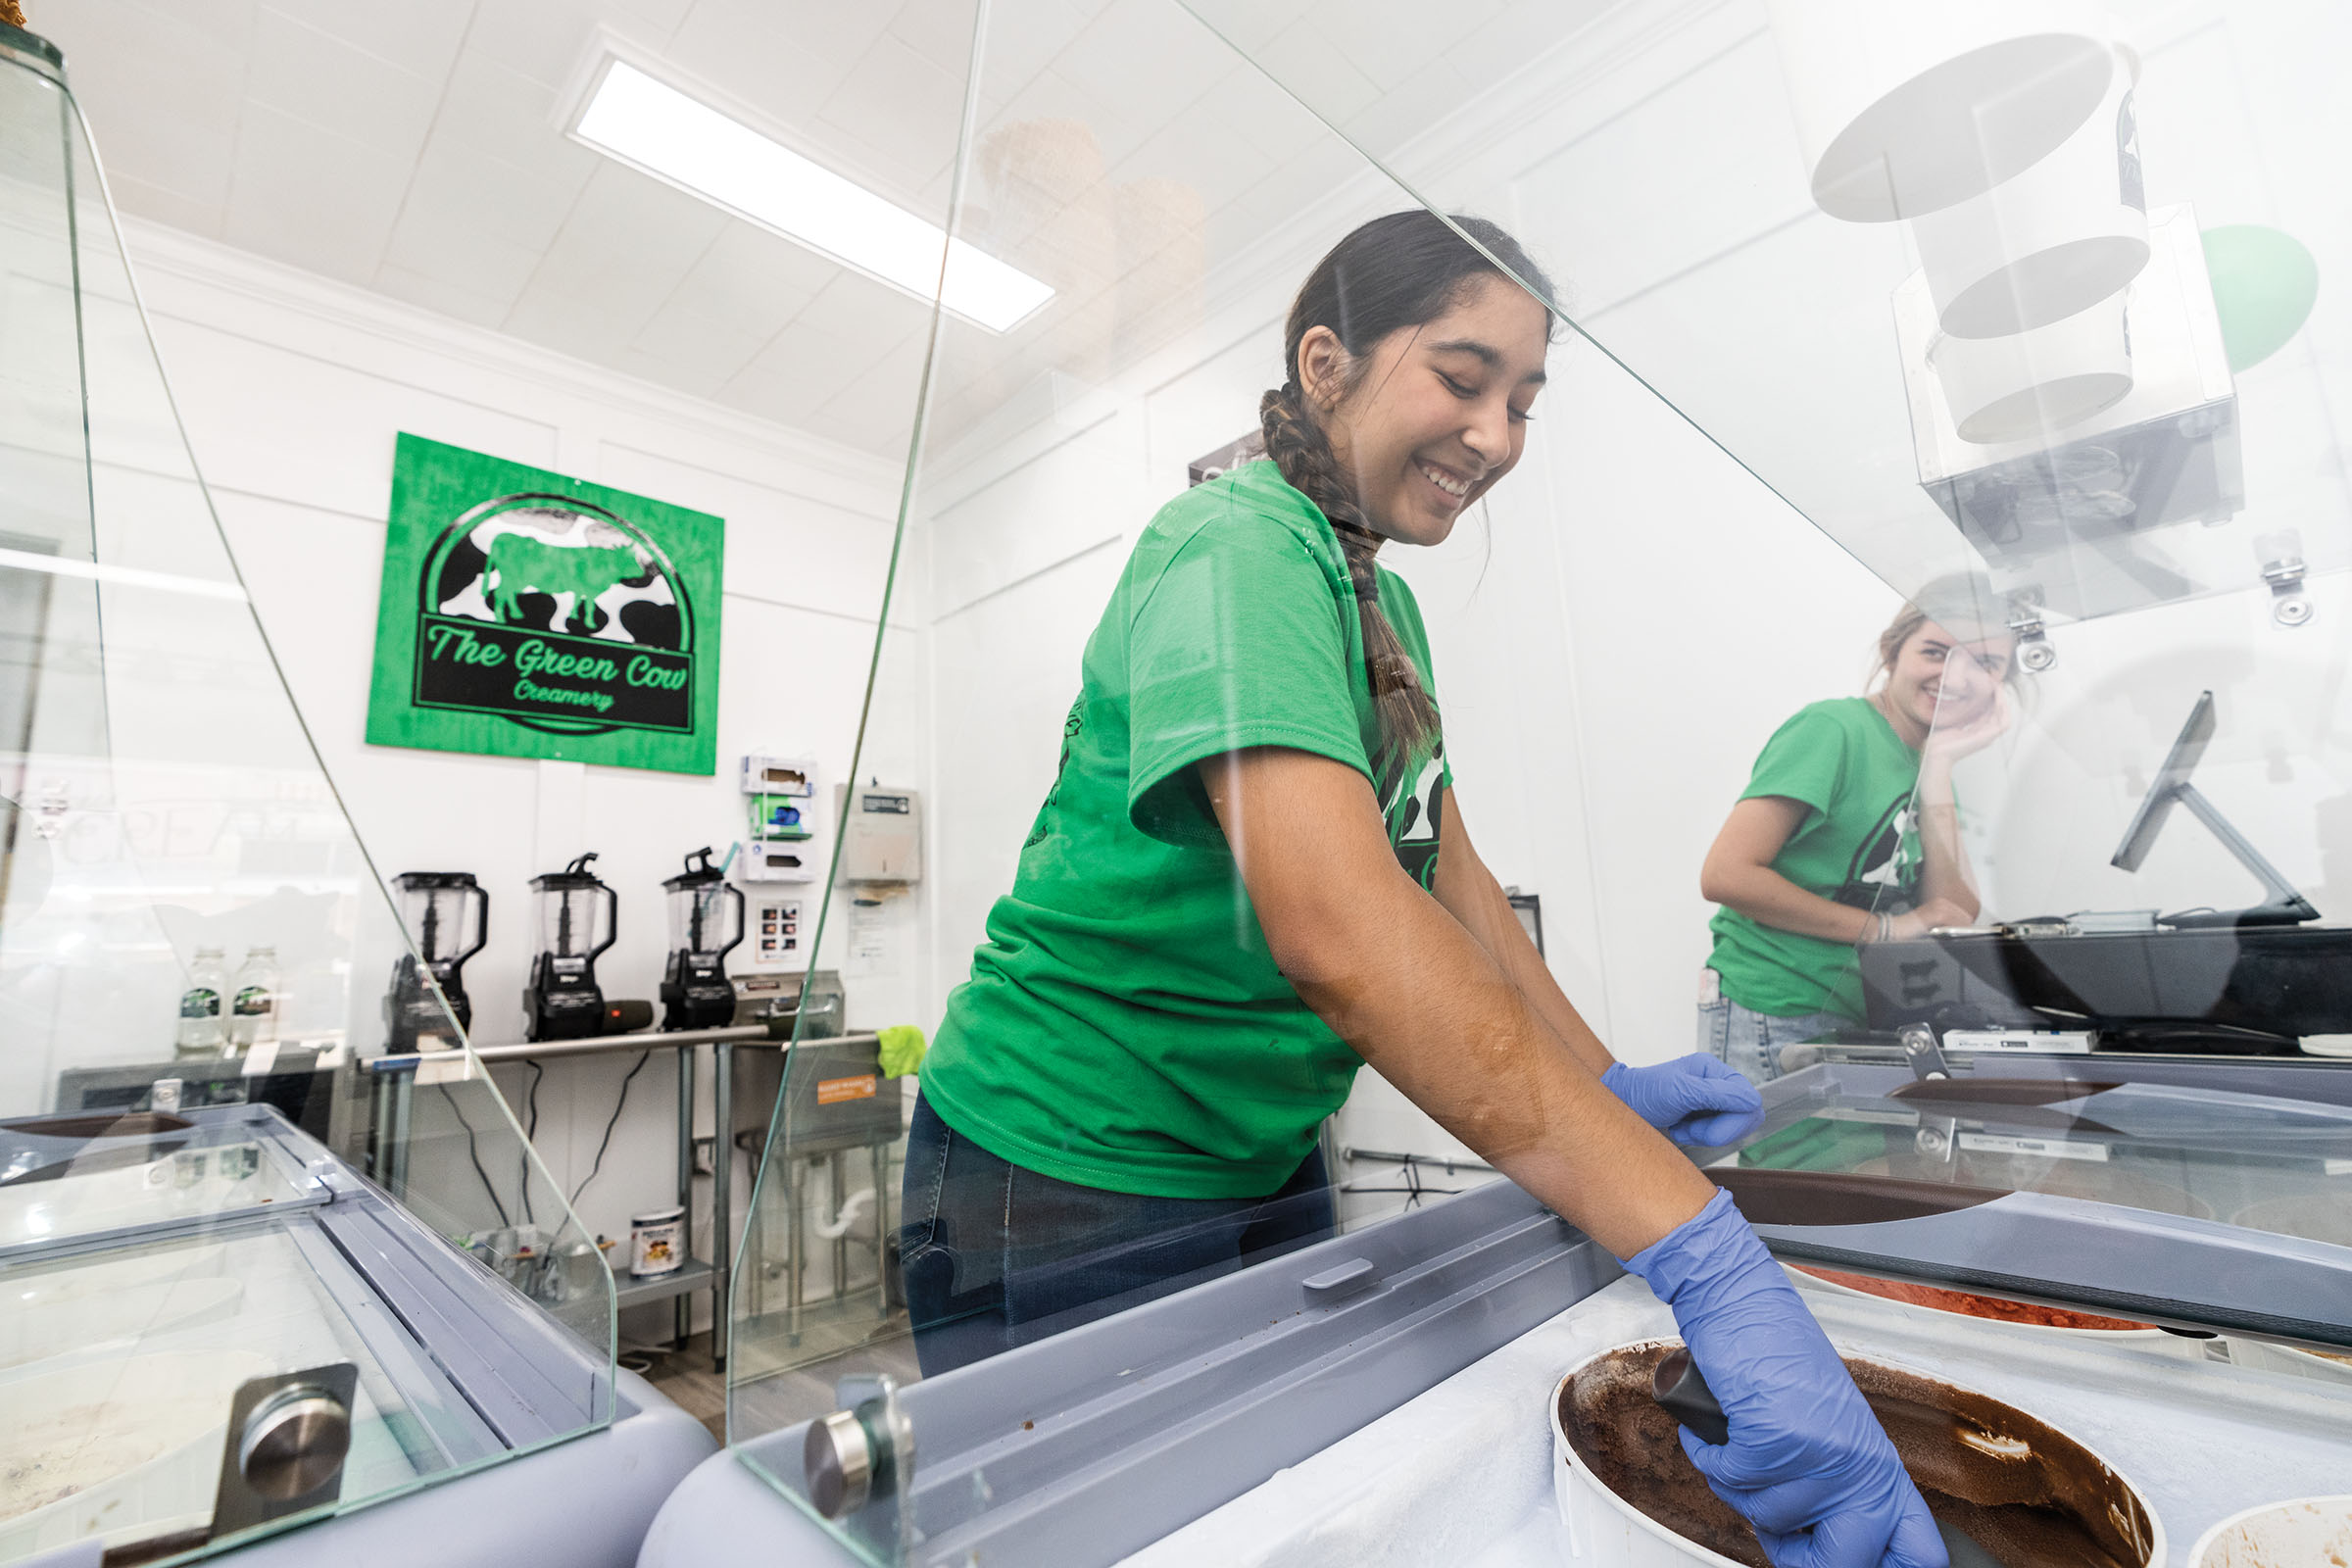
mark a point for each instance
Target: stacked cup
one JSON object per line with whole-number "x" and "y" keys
{"x": 2003, "y": 134}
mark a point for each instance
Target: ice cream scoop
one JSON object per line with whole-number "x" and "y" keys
{"x": 1684, "y": 1394}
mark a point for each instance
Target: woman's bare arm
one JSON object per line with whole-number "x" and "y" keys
{"x": 1944, "y": 877}
{"x": 1738, "y": 875}
{"x": 1421, "y": 999}
{"x": 1470, "y": 894}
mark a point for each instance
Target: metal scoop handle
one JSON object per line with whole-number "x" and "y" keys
{"x": 1685, "y": 1396}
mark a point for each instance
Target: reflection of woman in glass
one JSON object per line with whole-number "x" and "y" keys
{"x": 1252, "y": 877}
{"x": 1848, "y": 832}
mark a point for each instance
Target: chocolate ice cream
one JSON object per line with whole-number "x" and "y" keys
{"x": 2030, "y": 1495}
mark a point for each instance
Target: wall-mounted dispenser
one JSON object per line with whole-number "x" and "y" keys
{"x": 781, "y": 807}
{"x": 882, "y": 834}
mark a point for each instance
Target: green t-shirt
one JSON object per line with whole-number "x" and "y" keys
{"x": 1124, "y": 1026}
{"x": 1857, "y": 845}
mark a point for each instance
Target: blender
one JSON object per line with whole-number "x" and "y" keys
{"x": 705, "y": 922}
{"x": 576, "y": 922}
{"x": 447, "y": 914}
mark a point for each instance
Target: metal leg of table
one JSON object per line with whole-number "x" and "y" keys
{"x": 881, "y": 1155}
{"x": 837, "y": 1181}
{"x": 682, "y": 1309}
{"x": 398, "y": 1105}
{"x": 796, "y": 1228}
{"x": 722, "y": 1194}
{"x": 379, "y": 1129}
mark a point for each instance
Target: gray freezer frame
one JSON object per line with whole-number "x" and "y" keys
{"x": 1092, "y": 1445}
{"x": 485, "y": 1372}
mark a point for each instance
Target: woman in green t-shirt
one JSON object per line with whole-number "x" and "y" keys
{"x": 1848, "y": 831}
{"x": 1252, "y": 876}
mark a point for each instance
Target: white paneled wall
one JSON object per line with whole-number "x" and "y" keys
{"x": 293, "y": 390}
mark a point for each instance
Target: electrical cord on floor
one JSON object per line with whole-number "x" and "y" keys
{"x": 643, "y": 1057}
{"x": 473, "y": 1152}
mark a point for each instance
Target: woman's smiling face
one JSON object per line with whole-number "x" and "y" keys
{"x": 1940, "y": 679}
{"x": 1434, "y": 415}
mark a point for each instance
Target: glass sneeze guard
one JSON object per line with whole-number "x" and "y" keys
{"x": 196, "y": 1202}
{"x": 1740, "y": 463}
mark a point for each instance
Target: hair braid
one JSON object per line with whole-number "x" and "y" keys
{"x": 1406, "y": 716}
{"x": 1399, "y": 271}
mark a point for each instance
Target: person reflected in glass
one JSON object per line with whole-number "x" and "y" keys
{"x": 1252, "y": 876}
{"x": 1849, "y": 832}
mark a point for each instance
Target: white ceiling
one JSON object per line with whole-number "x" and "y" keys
{"x": 416, "y": 149}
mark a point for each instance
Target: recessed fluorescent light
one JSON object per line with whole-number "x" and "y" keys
{"x": 122, "y": 576}
{"x": 653, "y": 127}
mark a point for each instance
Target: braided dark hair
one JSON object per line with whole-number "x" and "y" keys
{"x": 1401, "y": 270}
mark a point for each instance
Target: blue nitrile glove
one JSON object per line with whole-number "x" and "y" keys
{"x": 1692, "y": 1100}
{"x": 1808, "y": 1464}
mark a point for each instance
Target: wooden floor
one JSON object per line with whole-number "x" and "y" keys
{"x": 686, "y": 1376}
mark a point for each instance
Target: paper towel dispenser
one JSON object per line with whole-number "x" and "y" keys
{"x": 881, "y": 833}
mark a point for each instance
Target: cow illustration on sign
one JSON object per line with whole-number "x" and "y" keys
{"x": 521, "y": 564}
{"x": 552, "y": 564}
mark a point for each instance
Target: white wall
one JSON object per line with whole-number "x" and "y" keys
{"x": 292, "y": 390}
{"x": 1614, "y": 638}
{"x": 1695, "y": 610}
{"x": 1637, "y": 612}
{"x": 1647, "y": 616}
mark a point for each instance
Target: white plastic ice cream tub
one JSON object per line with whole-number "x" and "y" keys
{"x": 2152, "y": 1341}
{"x": 1605, "y": 1531}
{"x": 2303, "y": 1529}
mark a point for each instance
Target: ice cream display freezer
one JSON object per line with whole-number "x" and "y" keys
{"x": 200, "y": 1312}
{"x": 1385, "y": 1396}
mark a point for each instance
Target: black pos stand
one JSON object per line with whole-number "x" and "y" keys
{"x": 2283, "y": 905}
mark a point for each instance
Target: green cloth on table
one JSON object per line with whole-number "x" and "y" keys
{"x": 902, "y": 1050}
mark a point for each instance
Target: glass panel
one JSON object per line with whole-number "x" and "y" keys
{"x": 2031, "y": 347}
{"x": 1174, "y": 215}
{"x": 127, "y": 1444}
{"x": 59, "y": 1189}
{"x": 1740, "y": 480}
{"x": 201, "y": 981}
{"x": 2068, "y": 340}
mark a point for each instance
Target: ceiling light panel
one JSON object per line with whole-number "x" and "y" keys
{"x": 653, "y": 127}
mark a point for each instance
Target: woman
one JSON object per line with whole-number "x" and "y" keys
{"x": 1214, "y": 925}
{"x": 1848, "y": 831}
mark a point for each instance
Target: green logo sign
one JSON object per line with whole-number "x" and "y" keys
{"x": 528, "y": 615}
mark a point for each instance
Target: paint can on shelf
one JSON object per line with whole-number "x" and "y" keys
{"x": 658, "y": 1241}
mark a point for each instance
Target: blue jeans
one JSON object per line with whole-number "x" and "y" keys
{"x": 1753, "y": 1041}
{"x": 995, "y": 1255}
